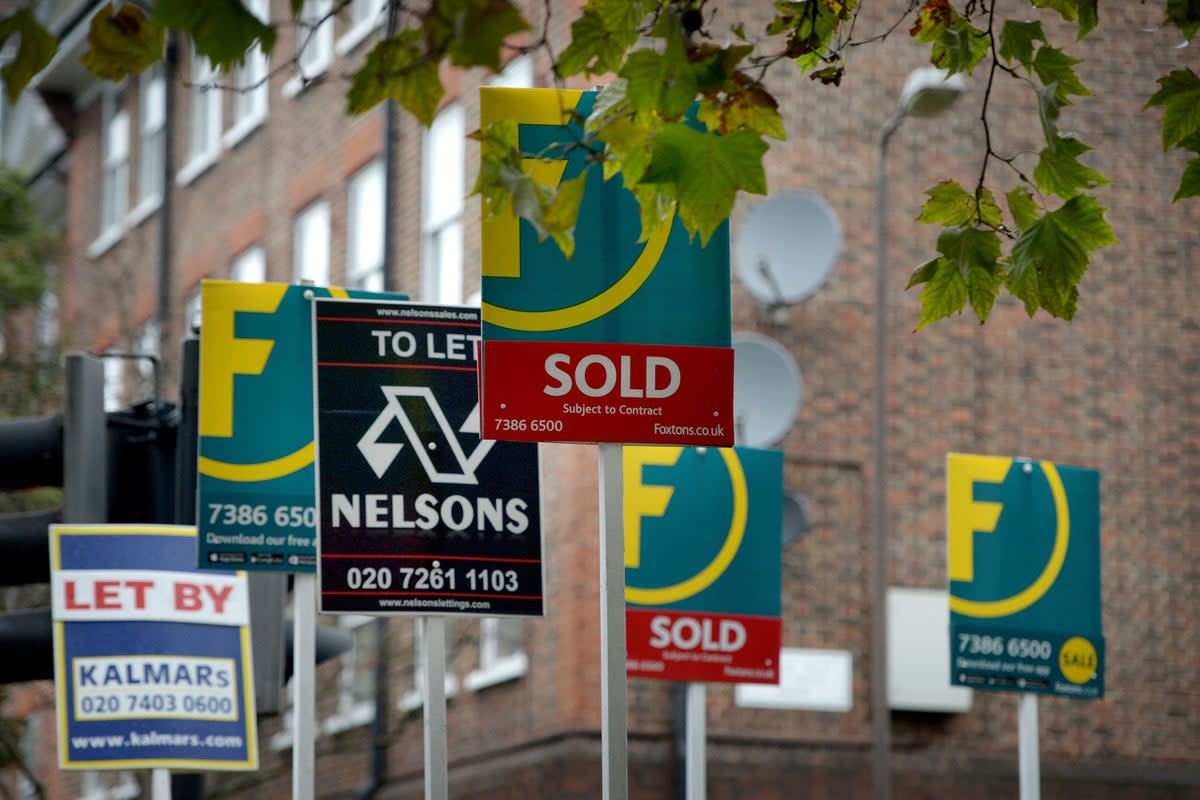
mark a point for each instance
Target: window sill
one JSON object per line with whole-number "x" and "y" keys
{"x": 243, "y": 128}
{"x": 506, "y": 669}
{"x": 105, "y": 241}
{"x": 355, "y": 36}
{"x": 415, "y": 698}
{"x": 198, "y": 165}
{"x": 143, "y": 210}
{"x": 301, "y": 81}
{"x": 354, "y": 717}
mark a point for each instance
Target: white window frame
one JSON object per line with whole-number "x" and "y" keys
{"x": 249, "y": 266}
{"x": 149, "y": 343}
{"x": 192, "y": 306}
{"x": 443, "y": 192}
{"x": 517, "y": 74}
{"x": 47, "y": 323}
{"x": 495, "y": 668}
{"x": 363, "y": 18}
{"x": 365, "y": 221}
{"x": 92, "y": 786}
{"x": 310, "y": 235}
{"x": 415, "y": 697}
{"x": 114, "y": 172}
{"x": 114, "y": 384}
{"x": 314, "y": 49}
{"x": 249, "y": 108}
{"x": 351, "y": 712}
{"x": 152, "y": 119}
{"x": 204, "y": 122}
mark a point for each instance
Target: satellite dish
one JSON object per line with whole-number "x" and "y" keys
{"x": 766, "y": 390}
{"x": 786, "y": 247}
{"x": 795, "y": 517}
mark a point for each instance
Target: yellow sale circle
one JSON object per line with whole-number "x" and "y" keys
{"x": 1077, "y": 660}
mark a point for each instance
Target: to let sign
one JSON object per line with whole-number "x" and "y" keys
{"x": 152, "y": 656}
{"x": 627, "y": 342}
{"x": 703, "y": 563}
{"x": 418, "y": 514}
{"x": 1024, "y": 568}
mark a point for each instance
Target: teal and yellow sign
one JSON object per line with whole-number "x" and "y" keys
{"x": 1024, "y": 573}
{"x": 256, "y": 503}
{"x": 703, "y": 563}
{"x": 628, "y": 341}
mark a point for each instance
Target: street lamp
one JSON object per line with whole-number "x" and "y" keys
{"x": 928, "y": 91}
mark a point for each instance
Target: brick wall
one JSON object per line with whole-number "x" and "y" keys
{"x": 1115, "y": 390}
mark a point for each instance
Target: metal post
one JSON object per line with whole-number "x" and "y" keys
{"x": 1027, "y": 747}
{"x": 85, "y": 441}
{"x": 304, "y": 675}
{"x": 433, "y": 671}
{"x": 697, "y": 738}
{"x": 614, "y": 699}
{"x": 881, "y": 731}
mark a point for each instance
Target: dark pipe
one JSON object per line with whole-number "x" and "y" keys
{"x": 164, "y": 209}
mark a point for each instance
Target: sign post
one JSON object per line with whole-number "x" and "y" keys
{"x": 599, "y": 349}
{"x": 1024, "y": 573}
{"x": 152, "y": 657}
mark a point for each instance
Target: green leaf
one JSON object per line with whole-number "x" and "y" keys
{"x": 1055, "y": 68}
{"x": 1189, "y": 184}
{"x": 122, "y": 43}
{"x": 478, "y": 30}
{"x": 1179, "y": 96}
{"x": 1058, "y": 248}
{"x": 1082, "y": 11}
{"x": 221, "y": 30}
{"x": 950, "y": 204}
{"x": 716, "y": 68}
{"x": 562, "y": 212}
{"x": 1023, "y": 207}
{"x": 705, "y": 172}
{"x": 967, "y": 272}
{"x": 1049, "y": 106}
{"x": 661, "y": 81}
{"x": 958, "y": 46}
{"x": 397, "y": 68}
{"x": 1016, "y": 41}
{"x": 601, "y": 36}
{"x": 750, "y": 107}
{"x": 1184, "y": 15}
{"x": 1059, "y": 172}
{"x": 37, "y": 47}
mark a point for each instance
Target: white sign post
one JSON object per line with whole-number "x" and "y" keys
{"x": 614, "y": 698}
{"x": 1027, "y": 747}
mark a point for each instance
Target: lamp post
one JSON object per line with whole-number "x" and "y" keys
{"x": 928, "y": 91}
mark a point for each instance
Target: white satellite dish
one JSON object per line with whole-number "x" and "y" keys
{"x": 786, "y": 248}
{"x": 796, "y": 518}
{"x": 766, "y": 390}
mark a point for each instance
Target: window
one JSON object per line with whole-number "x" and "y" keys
{"x": 314, "y": 45}
{"x": 364, "y": 16}
{"x": 114, "y": 192}
{"x": 152, "y": 112}
{"x": 191, "y": 311}
{"x": 310, "y": 245}
{"x": 114, "y": 383}
{"x": 204, "y": 122}
{"x": 108, "y": 786}
{"x": 364, "y": 229}
{"x": 501, "y": 653}
{"x": 356, "y": 679}
{"x": 414, "y": 697}
{"x": 250, "y": 79}
{"x": 517, "y": 74}
{"x": 47, "y": 322}
{"x": 149, "y": 339}
{"x": 441, "y": 228}
{"x": 250, "y": 266}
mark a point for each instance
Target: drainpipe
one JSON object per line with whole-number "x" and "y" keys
{"x": 164, "y": 209}
{"x": 379, "y": 725}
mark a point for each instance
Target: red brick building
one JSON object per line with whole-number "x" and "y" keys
{"x": 162, "y": 184}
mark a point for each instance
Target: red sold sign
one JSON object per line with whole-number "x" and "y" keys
{"x": 588, "y": 392}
